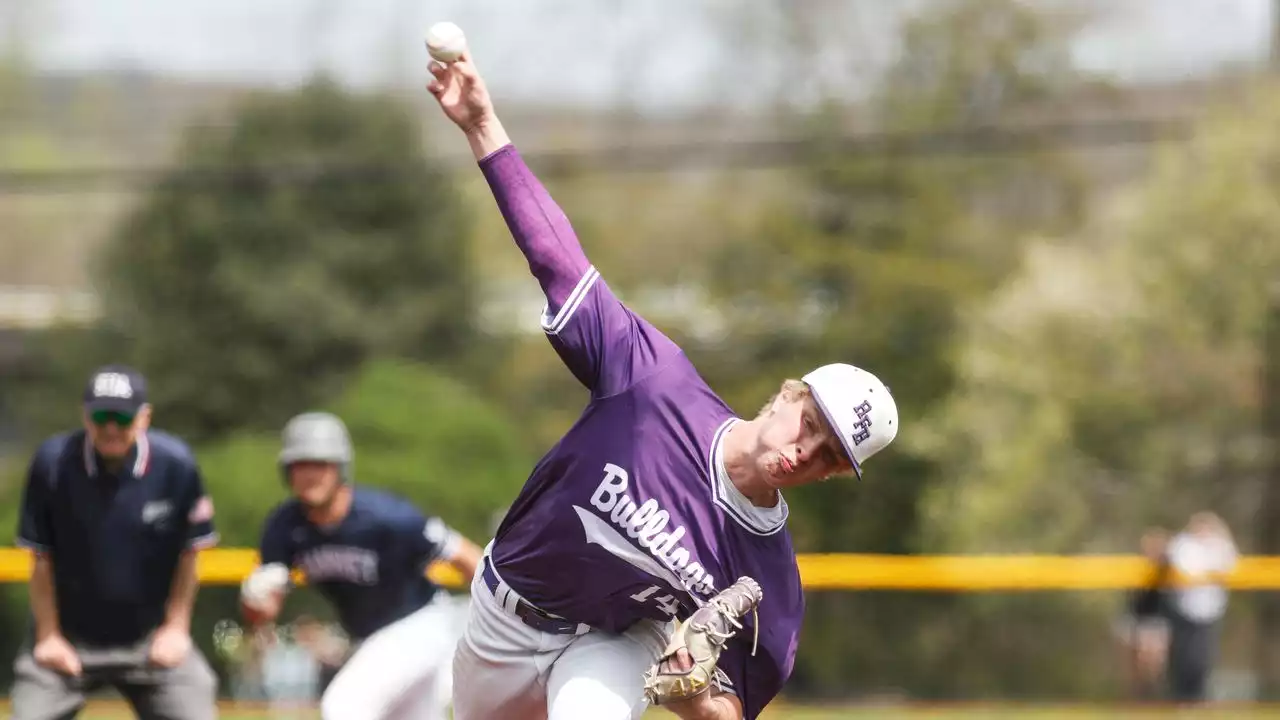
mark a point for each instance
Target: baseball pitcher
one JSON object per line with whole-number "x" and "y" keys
{"x": 647, "y": 558}
{"x": 367, "y": 552}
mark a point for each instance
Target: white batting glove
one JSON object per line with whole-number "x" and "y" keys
{"x": 259, "y": 590}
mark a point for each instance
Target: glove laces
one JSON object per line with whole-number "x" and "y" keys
{"x": 728, "y": 614}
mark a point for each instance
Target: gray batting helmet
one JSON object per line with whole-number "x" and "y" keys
{"x": 317, "y": 437}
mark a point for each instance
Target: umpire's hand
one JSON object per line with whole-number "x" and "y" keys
{"x": 55, "y": 653}
{"x": 169, "y": 646}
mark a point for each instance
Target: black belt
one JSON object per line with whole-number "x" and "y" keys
{"x": 528, "y": 614}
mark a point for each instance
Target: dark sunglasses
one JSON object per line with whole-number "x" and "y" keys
{"x": 102, "y": 417}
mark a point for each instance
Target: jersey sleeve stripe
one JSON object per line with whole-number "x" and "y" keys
{"x": 553, "y": 326}
{"x": 207, "y": 540}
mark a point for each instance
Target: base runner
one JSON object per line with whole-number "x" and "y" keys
{"x": 367, "y": 552}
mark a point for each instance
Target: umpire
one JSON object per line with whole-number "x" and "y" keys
{"x": 115, "y": 514}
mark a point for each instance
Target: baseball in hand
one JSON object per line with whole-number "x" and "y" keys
{"x": 446, "y": 42}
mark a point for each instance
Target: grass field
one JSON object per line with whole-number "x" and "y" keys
{"x": 117, "y": 711}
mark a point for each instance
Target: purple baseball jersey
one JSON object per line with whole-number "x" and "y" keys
{"x": 632, "y": 515}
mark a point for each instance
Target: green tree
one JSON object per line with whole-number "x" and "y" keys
{"x": 44, "y": 384}
{"x": 870, "y": 259}
{"x": 417, "y": 432}
{"x": 1115, "y": 382}
{"x": 283, "y": 250}
{"x": 1123, "y": 369}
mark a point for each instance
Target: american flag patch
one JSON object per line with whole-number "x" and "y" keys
{"x": 202, "y": 511}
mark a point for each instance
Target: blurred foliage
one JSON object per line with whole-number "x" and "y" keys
{"x": 416, "y": 432}
{"x": 56, "y": 363}
{"x": 869, "y": 260}
{"x": 1066, "y": 375}
{"x": 1108, "y": 373}
{"x": 244, "y": 296}
{"x": 968, "y": 63}
{"x": 1114, "y": 383}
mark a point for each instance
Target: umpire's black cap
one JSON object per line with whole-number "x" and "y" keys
{"x": 116, "y": 388}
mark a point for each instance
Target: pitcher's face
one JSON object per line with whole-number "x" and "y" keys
{"x": 797, "y": 445}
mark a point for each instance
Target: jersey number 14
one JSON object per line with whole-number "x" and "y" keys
{"x": 666, "y": 603}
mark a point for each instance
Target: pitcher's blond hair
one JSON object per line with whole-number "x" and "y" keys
{"x": 792, "y": 389}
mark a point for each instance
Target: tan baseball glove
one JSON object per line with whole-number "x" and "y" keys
{"x": 703, "y": 635}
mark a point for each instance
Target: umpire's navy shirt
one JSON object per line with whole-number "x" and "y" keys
{"x": 114, "y": 540}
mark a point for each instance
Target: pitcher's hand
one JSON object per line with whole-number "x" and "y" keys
{"x": 461, "y": 92}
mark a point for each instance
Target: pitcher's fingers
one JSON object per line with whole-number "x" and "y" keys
{"x": 464, "y": 67}
{"x": 440, "y": 78}
{"x": 684, "y": 660}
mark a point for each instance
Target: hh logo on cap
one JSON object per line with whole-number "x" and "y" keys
{"x": 113, "y": 385}
{"x": 862, "y": 427}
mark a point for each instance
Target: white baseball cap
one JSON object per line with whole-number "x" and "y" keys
{"x": 859, "y": 408}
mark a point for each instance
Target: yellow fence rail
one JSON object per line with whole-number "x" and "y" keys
{"x": 947, "y": 573}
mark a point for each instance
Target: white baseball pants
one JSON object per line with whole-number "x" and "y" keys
{"x": 505, "y": 670}
{"x": 397, "y": 672}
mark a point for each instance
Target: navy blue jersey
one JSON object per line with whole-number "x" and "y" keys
{"x": 114, "y": 540}
{"x": 371, "y": 565}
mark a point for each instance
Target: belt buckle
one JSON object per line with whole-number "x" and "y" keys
{"x": 531, "y": 613}
{"x": 540, "y": 619}
{"x": 543, "y": 614}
